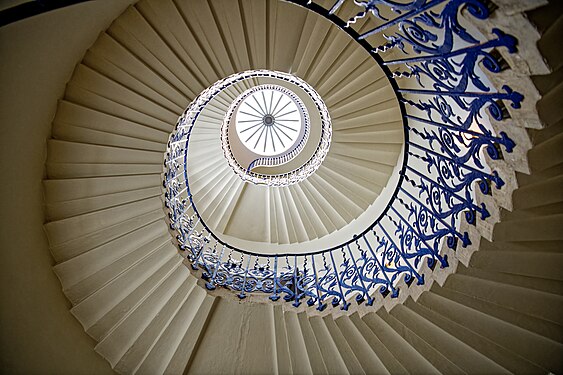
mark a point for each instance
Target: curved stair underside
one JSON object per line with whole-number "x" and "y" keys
{"x": 500, "y": 311}
{"x": 142, "y": 73}
{"x": 326, "y": 201}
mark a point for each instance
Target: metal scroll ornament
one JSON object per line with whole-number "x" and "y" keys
{"x": 440, "y": 74}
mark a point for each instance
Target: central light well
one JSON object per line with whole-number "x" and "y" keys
{"x": 269, "y": 120}
{"x": 276, "y": 131}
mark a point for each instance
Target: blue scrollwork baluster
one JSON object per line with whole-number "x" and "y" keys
{"x": 242, "y": 293}
{"x": 320, "y": 297}
{"x": 275, "y": 296}
{"x": 364, "y": 292}
{"x": 380, "y": 276}
{"x": 211, "y": 284}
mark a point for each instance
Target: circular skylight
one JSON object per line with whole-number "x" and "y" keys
{"x": 269, "y": 121}
{"x": 266, "y": 132}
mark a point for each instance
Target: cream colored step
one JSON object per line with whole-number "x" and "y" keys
{"x": 300, "y": 361}
{"x": 343, "y": 87}
{"x": 338, "y": 59}
{"x": 542, "y": 284}
{"x": 537, "y": 176}
{"x": 175, "y": 348}
{"x": 69, "y": 249}
{"x": 171, "y": 100}
{"x": 214, "y": 111}
{"x": 339, "y": 75}
{"x": 222, "y": 200}
{"x": 368, "y": 359}
{"x": 409, "y": 358}
{"x": 150, "y": 315}
{"x": 348, "y": 354}
{"x": 368, "y": 89}
{"x": 84, "y": 97}
{"x": 74, "y": 189}
{"x": 101, "y": 311}
{"x": 466, "y": 358}
{"x": 367, "y": 177}
{"x": 287, "y": 220}
{"x": 539, "y": 136}
{"x": 310, "y": 225}
{"x": 89, "y": 285}
{"x": 536, "y": 264}
{"x": 547, "y": 154}
{"x": 373, "y": 171}
{"x": 203, "y": 27}
{"x": 543, "y": 246}
{"x": 171, "y": 25}
{"x": 543, "y": 193}
{"x": 348, "y": 11}
{"x": 297, "y": 218}
{"x": 134, "y": 30}
{"x": 506, "y": 344}
{"x": 547, "y": 105}
{"x": 119, "y": 61}
{"x": 142, "y": 346}
{"x": 550, "y": 30}
{"x": 86, "y": 273}
{"x": 215, "y": 199}
{"x": 544, "y": 228}
{"x": 79, "y": 206}
{"x": 69, "y": 113}
{"x": 383, "y": 154}
{"x": 341, "y": 201}
{"x": 329, "y": 351}
{"x": 392, "y": 364}
{"x": 212, "y": 116}
{"x": 98, "y": 84}
{"x": 386, "y": 117}
{"x": 251, "y": 338}
{"x": 275, "y": 229}
{"x": 313, "y": 347}
{"x": 76, "y": 235}
{"x": 388, "y": 130}
{"x": 314, "y": 48}
{"x": 509, "y": 296}
{"x": 245, "y": 216}
{"x": 57, "y": 211}
{"x": 231, "y": 201}
{"x": 62, "y": 231}
{"x": 282, "y": 346}
{"x": 369, "y": 134}
{"x": 223, "y": 26}
{"x": 324, "y": 213}
{"x": 438, "y": 359}
{"x": 201, "y": 164}
{"x": 359, "y": 195}
{"x": 532, "y": 213}
{"x": 56, "y": 170}
{"x": 204, "y": 181}
{"x": 65, "y": 152}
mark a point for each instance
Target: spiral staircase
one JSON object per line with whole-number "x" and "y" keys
{"x": 155, "y": 304}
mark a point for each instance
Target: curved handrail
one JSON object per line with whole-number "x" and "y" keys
{"x": 446, "y": 131}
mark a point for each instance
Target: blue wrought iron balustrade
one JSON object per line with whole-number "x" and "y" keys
{"x": 445, "y": 98}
